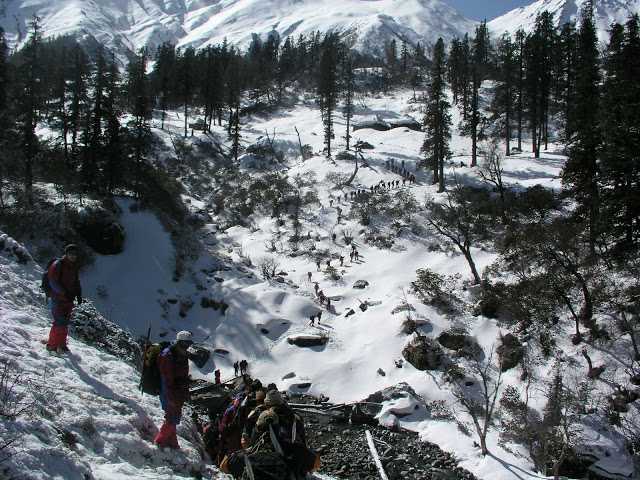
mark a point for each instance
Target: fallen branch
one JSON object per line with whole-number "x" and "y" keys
{"x": 374, "y": 454}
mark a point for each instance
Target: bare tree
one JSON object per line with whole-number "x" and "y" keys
{"x": 17, "y": 399}
{"x": 460, "y": 219}
{"x": 480, "y": 403}
{"x": 268, "y": 267}
{"x": 491, "y": 171}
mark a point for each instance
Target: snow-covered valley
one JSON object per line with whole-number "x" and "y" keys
{"x": 363, "y": 352}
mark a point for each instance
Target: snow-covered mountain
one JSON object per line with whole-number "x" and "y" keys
{"x": 606, "y": 13}
{"x": 127, "y": 25}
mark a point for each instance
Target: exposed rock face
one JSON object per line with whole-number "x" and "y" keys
{"x": 361, "y": 284}
{"x": 423, "y": 353}
{"x": 91, "y": 327}
{"x": 510, "y": 352}
{"x": 101, "y": 230}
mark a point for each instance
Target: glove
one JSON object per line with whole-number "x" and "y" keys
{"x": 79, "y": 299}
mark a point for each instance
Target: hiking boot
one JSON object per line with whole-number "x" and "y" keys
{"x": 63, "y": 349}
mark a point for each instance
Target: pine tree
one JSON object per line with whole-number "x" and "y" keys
{"x": 186, "y": 81}
{"x": 504, "y": 98}
{"x": 437, "y": 119}
{"x": 520, "y": 46}
{"x": 619, "y": 125}
{"x": 567, "y": 48}
{"x": 349, "y": 91}
{"x": 29, "y": 100}
{"x": 164, "y": 73}
{"x": 328, "y": 86}
{"x": 479, "y": 70}
{"x": 538, "y": 48}
{"x": 114, "y": 151}
{"x": 404, "y": 59}
{"x": 140, "y": 109}
{"x": 92, "y": 157}
{"x": 78, "y": 109}
{"x": 580, "y": 175}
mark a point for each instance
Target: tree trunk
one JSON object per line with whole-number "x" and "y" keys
{"x": 186, "y": 123}
{"x": 467, "y": 255}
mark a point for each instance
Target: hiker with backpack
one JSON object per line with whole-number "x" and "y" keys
{"x": 244, "y": 365}
{"x": 61, "y": 284}
{"x": 277, "y": 446}
{"x": 173, "y": 365}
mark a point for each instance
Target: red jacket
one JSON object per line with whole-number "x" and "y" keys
{"x": 174, "y": 374}
{"x": 64, "y": 280}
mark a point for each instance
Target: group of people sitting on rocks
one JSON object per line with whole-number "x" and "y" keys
{"x": 258, "y": 431}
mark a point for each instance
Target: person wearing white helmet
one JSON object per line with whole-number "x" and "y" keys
{"x": 173, "y": 364}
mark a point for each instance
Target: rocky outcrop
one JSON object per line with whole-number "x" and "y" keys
{"x": 361, "y": 284}
{"x": 91, "y": 327}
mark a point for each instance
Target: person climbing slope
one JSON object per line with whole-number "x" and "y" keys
{"x": 173, "y": 364}
{"x": 64, "y": 287}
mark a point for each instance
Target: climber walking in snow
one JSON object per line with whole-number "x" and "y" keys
{"x": 62, "y": 284}
{"x": 173, "y": 364}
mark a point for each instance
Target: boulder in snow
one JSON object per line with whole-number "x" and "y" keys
{"x": 361, "y": 284}
{"x": 307, "y": 340}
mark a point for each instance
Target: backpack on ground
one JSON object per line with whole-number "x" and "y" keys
{"x": 150, "y": 379}
{"x": 45, "y": 286}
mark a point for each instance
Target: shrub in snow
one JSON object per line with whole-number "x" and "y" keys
{"x": 423, "y": 353}
{"x": 510, "y": 352}
{"x": 464, "y": 345}
{"x": 436, "y": 290}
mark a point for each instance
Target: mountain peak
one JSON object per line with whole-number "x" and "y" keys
{"x": 606, "y": 13}
{"x": 127, "y": 25}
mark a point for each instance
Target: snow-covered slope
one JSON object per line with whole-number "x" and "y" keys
{"x": 363, "y": 348}
{"x": 127, "y": 25}
{"x": 606, "y": 12}
{"x": 87, "y": 418}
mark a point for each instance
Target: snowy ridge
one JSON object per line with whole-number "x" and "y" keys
{"x": 606, "y": 13}
{"x": 127, "y": 25}
{"x": 89, "y": 421}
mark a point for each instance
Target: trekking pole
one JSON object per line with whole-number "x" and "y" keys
{"x": 147, "y": 342}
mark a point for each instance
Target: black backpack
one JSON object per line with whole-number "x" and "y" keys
{"x": 45, "y": 286}
{"x": 150, "y": 379}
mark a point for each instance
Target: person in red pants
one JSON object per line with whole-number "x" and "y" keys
{"x": 64, "y": 283}
{"x": 173, "y": 364}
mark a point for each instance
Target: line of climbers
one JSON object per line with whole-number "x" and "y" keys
{"x": 254, "y": 430}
